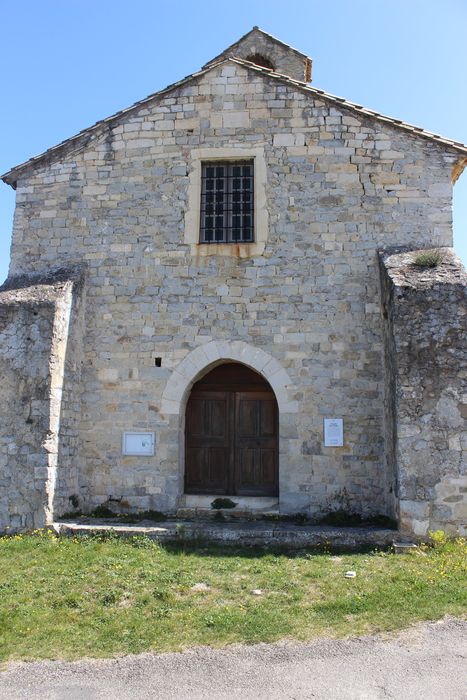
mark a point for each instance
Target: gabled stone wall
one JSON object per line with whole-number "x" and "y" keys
{"x": 338, "y": 186}
{"x": 426, "y": 392}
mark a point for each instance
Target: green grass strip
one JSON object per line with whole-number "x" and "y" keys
{"x": 73, "y": 597}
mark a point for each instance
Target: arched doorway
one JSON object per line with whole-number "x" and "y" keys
{"x": 231, "y": 434}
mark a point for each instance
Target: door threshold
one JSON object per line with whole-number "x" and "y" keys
{"x": 252, "y": 504}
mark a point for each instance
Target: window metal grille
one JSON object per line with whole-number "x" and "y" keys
{"x": 227, "y": 202}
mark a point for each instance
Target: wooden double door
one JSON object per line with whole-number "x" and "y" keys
{"x": 231, "y": 435}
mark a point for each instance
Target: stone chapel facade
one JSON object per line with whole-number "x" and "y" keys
{"x": 214, "y": 293}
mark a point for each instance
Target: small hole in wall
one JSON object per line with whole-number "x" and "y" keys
{"x": 158, "y": 361}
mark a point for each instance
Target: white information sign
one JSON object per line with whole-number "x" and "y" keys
{"x": 138, "y": 444}
{"x": 333, "y": 432}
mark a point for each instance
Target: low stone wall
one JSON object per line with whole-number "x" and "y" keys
{"x": 426, "y": 389}
{"x": 34, "y": 324}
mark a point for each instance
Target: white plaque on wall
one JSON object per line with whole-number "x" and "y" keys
{"x": 138, "y": 444}
{"x": 333, "y": 432}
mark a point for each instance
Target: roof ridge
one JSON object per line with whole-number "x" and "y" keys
{"x": 81, "y": 137}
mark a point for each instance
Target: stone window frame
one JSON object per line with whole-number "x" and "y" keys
{"x": 192, "y": 216}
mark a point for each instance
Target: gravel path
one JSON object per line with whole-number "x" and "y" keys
{"x": 426, "y": 661}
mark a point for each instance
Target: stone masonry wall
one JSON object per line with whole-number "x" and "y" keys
{"x": 427, "y": 326}
{"x": 25, "y": 337}
{"x": 34, "y": 322}
{"x": 339, "y": 187}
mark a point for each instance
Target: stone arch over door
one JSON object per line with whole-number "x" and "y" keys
{"x": 204, "y": 358}
{"x": 201, "y": 361}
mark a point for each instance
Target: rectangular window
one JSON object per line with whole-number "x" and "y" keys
{"x": 227, "y": 202}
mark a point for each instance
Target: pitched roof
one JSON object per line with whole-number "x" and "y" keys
{"x": 84, "y": 137}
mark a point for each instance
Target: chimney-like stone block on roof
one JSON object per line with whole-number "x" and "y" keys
{"x": 264, "y": 50}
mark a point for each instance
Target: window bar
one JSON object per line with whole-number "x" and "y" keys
{"x": 227, "y": 202}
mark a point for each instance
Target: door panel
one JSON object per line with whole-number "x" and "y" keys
{"x": 247, "y": 419}
{"x": 255, "y": 444}
{"x": 247, "y": 467}
{"x": 208, "y": 443}
{"x": 268, "y": 418}
{"x": 231, "y": 439}
{"x": 217, "y": 461}
{"x": 195, "y": 417}
{"x": 195, "y": 460}
{"x": 216, "y": 418}
{"x": 268, "y": 467}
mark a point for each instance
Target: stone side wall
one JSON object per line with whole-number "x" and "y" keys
{"x": 338, "y": 188}
{"x": 25, "y": 339}
{"x": 34, "y": 323}
{"x": 427, "y": 331}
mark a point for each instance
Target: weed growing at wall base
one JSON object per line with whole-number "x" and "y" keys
{"x": 92, "y": 596}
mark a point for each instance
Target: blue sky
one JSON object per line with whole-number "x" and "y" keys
{"x": 68, "y": 63}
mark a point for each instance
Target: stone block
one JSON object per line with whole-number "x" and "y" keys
{"x": 235, "y": 119}
{"x": 284, "y": 139}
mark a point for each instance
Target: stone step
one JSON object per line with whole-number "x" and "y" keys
{"x": 257, "y": 533}
{"x": 245, "y": 503}
{"x": 224, "y": 514}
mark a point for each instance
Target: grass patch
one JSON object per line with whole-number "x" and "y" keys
{"x": 428, "y": 258}
{"x": 102, "y": 596}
